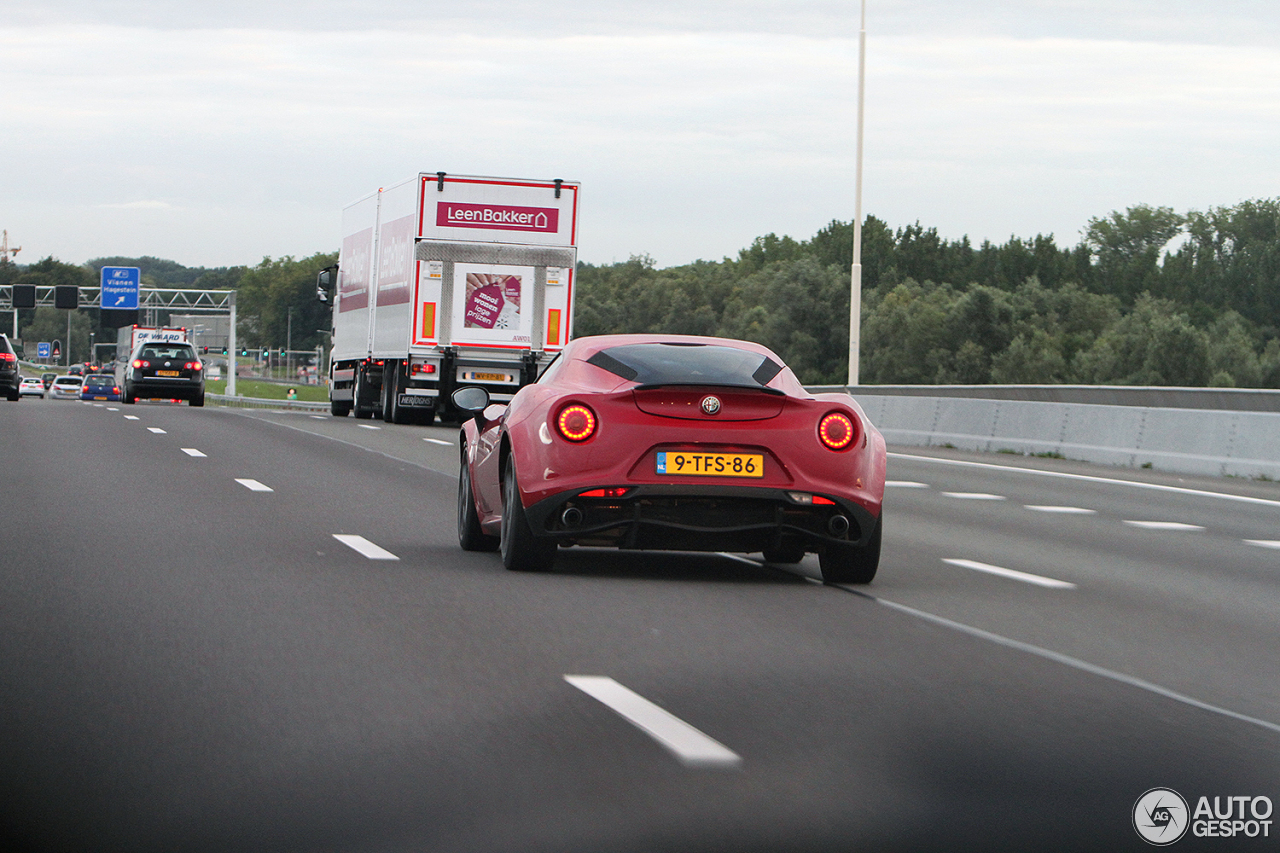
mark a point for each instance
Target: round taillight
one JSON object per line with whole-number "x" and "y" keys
{"x": 137, "y": 362}
{"x": 836, "y": 430}
{"x": 576, "y": 422}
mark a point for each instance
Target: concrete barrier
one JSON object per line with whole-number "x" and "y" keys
{"x": 1184, "y": 440}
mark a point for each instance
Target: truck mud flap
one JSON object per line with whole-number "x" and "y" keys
{"x": 416, "y": 401}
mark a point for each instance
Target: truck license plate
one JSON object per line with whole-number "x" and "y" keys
{"x": 476, "y": 376}
{"x": 711, "y": 464}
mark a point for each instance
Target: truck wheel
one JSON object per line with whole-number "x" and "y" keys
{"x": 339, "y": 408}
{"x": 363, "y": 410}
{"x": 394, "y": 412}
{"x": 842, "y": 563}
{"x": 521, "y": 550}
{"x": 470, "y": 536}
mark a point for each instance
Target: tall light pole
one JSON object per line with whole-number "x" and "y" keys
{"x": 855, "y": 288}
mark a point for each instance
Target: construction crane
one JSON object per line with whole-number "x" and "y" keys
{"x": 5, "y": 251}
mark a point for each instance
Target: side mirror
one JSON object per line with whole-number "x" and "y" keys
{"x": 471, "y": 399}
{"x": 323, "y": 282}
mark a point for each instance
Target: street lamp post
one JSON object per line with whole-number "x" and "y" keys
{"x": 855, "y": 287}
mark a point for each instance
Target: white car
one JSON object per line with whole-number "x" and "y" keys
{"x": 31, "y": 387}
{"x": 66, "y": 388}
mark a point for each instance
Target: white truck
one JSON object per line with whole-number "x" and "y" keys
{"x": 128, "y": 338}
{"x": 448, "y": 280}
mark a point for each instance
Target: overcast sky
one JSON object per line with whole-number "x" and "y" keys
{"x": 219, "y": 133}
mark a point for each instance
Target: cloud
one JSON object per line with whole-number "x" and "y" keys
{"x": 690, "y": 140}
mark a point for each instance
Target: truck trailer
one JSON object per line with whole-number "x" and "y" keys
{"x": 449, "y": 280}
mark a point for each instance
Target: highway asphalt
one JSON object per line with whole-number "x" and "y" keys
{"x": 254, "y": 630}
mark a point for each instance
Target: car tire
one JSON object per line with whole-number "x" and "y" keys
{"x": 788, "y": 553}
{"x": 470, "y": 535}
{"x": 197, "y": 401}
{"x": 129, "y": 397}
{"x": 521, "y": 550}
{"x": 842, "y": 563}
{"x": 14, "y": 396}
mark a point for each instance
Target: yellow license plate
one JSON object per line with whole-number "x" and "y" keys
{"x": 490, "y": 377}
{"x": 166, "y": 373}
{"x": 711, "y": 464}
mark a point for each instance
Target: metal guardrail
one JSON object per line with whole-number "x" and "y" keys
{"x": 264, "y": 403}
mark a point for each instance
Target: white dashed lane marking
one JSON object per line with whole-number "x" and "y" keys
{"x": 1012, "y": 574}
{"x": 253, "y": 485}
{"x": 439, "y": 441}
{"x": 191, "y": 451}
{"x": 156, "y": 430}
{"x": 112, "y": 409}
{"x": 690, "y": 746}
{"x": 1264, "y": 543}
{"x": 904, "y": 484}
{"x": 365, "y": 547}
{"x": 1163, "y": 525}
{"x": 1062, "y": 510}
{"x": 974, "y": 496}
{"x": 130, "y": 417}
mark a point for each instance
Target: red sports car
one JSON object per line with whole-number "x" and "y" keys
{"x": 669, "y": 442}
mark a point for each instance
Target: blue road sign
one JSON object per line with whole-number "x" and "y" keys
{"x": 43, "y": 349}
{"x": 120, "y": 287}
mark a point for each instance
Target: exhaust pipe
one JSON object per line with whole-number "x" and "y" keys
{"x": 838, "y": 526}
{"x": 571, "y": 517}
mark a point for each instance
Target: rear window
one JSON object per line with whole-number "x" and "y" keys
{"x": 68, "y": 380}
{"x": 100, "y": 380}
{"x": 184, "y": 353}
{"x": 687, "y": 364}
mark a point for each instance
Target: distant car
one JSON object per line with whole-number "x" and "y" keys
{"x": 66, "y": 388}
{"x": 75, "y": 370}
{"x": 666, "y": 442}
{"x": 47, "y": 379}
{"x": 100, "y": 386}
{"x": 10, "y": 370}
{"x": 31, "y": 387}
{"x": 163, "y": 370}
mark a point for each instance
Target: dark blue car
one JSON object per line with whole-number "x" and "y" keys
{"x": 100, "y": 386}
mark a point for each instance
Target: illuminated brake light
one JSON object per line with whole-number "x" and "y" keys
{"x": 576, "y": 422}
{"x": 836, "y": 431}
{"x": 604, "y": 493}
{"x": 8, "y": 356}
{"x": 139, "y": 363}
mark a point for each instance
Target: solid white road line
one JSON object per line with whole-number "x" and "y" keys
{"x": 130, "y": 417}
{"x": 1075, "y": 663}
{"x": 156, "y": 430}
{"x": 439, "y": 441}
{"x": 904, "y": 484}
{"x": 191, "y": 451}
{"x": 1163, "y": 525}
{"x": 991, "y": 466}
{"x": 1062, "y": 510}
{"x": 690, "y": 746}
{"x": 253, "y": 485}
{"x": 1038, "y": 580}
{"x": 974, "y": 496}
{"x": 1264, "y": 543}
{"x": 365, "y": 547}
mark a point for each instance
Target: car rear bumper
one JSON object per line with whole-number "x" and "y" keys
{"x": 700, "y": 518}
{"x": 177, "y": 389}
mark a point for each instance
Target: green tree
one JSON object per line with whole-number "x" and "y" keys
{"x": 274, "y": 291}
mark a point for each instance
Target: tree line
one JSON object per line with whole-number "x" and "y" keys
{"x": 1148, "y": 296}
